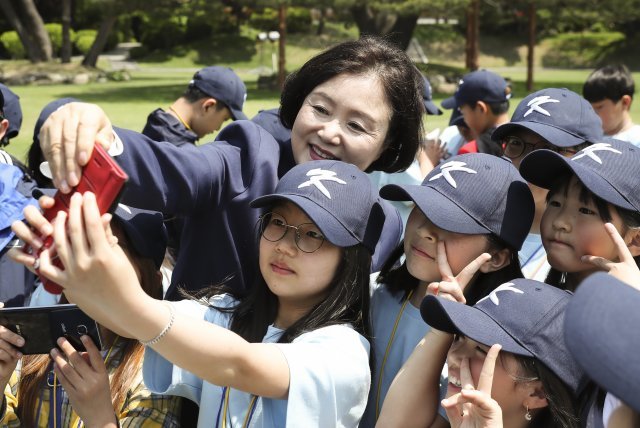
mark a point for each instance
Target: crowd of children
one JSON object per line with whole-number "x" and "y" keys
{"x": 298, "y": 295}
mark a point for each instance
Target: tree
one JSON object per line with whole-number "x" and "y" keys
{"x": 30, "y": 28}
{"x": 65, "y": 54}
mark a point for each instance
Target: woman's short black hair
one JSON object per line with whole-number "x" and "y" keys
{"x": 401, "y": 80}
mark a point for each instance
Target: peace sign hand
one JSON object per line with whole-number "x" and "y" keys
{"x": 474, "y": 407}
{"x": 452, "y": 286}
{"x": 625, "y": 269}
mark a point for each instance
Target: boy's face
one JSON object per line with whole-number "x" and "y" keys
{"x": 476, "y": 118}
{"x": 612, "y": 114}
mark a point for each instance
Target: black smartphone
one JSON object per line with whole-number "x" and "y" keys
{"x": 41, "y": 326}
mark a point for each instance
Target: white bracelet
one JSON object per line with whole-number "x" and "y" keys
{"x": 165, "y": 330}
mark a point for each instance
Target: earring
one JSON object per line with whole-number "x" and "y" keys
{"x": 527, "y": 415}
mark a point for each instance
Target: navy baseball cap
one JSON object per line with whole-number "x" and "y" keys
{"x": 145, "y": 230}
{"x": 339, "y": 198}
{"x": 223, "y": 84}
{"x": 11, "y": 110}
{"x": 474, "y": 193}
{"x": 525, "y": 316}
{"x": 560, "y": 116}
{"x": 457, "y": 119}
{"x": 480, "y": 85}
{"x": 601, "y": 332}
{"x": 608, "y": 169}
{"x": 427, "y": 98}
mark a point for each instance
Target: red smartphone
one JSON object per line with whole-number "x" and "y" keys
{"x": 102, "y": 176}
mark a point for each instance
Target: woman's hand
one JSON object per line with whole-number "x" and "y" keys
{"x": 452, "y": 286}
{"x": 67, "y": 138}
{"x": 85, "y": 379}
{"x": 473, "y": 407}
{"x": 625, "y": 269}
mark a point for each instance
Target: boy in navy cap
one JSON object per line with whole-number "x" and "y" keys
{"x": 610, "y": 91}
{"x": 556, "y": 119}
{"x": 483, "y": 99}
{"x": 214, "y": 95}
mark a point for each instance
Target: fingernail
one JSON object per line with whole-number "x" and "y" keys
{"x": 73, "y": 178}
{"x": 60, "y": 340}
{"x": 37, "y": 243}
{"x": 83, "y": 158}
{"x": 20, "y": 342}
{"x": 64, "y": 186}
{"x": 47, "y": 229}
{"x": 54, "y": 352}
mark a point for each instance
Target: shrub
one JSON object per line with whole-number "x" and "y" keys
{"x": 13, "y": 44}
{"x": 162, "y": 34}
{"x": 579, "y": 50}
{"x": 84, "y": 39}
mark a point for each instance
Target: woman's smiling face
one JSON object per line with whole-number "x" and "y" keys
{"x": 345, "y": 118}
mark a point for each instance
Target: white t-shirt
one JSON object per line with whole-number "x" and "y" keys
{"x": 631, "y": 135}
{"x": 329, "y": 377}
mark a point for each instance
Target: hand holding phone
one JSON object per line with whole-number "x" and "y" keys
{"x": 102, "y": 176}
{"x": 42, "y": 326}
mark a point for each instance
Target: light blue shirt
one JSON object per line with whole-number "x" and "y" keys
{"x": 329, "y": 378}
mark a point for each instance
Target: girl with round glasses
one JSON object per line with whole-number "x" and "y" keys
{"x": 295, "y": 350}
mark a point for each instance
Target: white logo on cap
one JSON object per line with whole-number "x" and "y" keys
{"x": 598, "y": 147}
{"x": 534, "y": 105}
{"x": 448, "y": 168}
{"x": 317, "y": 175}
{"x": 508, "y": 286}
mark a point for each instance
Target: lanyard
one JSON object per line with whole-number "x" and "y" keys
{"x": 180, "y": 118}
{"x": 224, "y": 407}
{"x": 386, "y": 352}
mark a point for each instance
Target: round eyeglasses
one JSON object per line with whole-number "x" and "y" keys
{"x": 274, "y": 227}
{"x": 515, "y": 147}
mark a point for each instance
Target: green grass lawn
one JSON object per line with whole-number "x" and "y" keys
{"x": 161, "y": 78}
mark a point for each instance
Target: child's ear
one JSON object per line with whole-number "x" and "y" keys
{"x": 626, "y": 101}
{"x": 632, "y": 239}
{"x": 498, "y": 260}
{"x": 535, "y": 396}
{"x": 209, "y": 103}
{"x": 484, "y": 107}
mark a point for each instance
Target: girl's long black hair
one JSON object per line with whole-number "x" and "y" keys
{"x": 346, "y": 303}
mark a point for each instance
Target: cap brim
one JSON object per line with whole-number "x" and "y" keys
{"x": 330, "y": 227}
{"x": 458, "y": 318}
{"x": 431, "y": 108}
{"x": 605, "y": 343}
{"x": 449, "y": 103}
{"x": 543, "y": 167}
{"x": 556, "y": 136}
{"x": 439, "y": 209}
{"x": 238, "y": 114}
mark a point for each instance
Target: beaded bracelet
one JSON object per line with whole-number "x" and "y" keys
{"x": 165, "y": 330}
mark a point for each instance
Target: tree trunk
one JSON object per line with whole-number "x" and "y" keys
{"x": 30, "y": 46}
{"x": 91, "y": 59}
{"x": 282, "y": 28}
{"x": 531, "y": 44}
{"x": 472, "y": 43}
{"x": 399, "y": 28}
{"x": 35, "y": 24}
{"x": 65, "y": 53}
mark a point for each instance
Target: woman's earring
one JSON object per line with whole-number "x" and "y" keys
{"x": 527, "y": 415}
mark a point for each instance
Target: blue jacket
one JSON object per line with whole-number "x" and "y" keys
{"x": 163, "y": 126}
